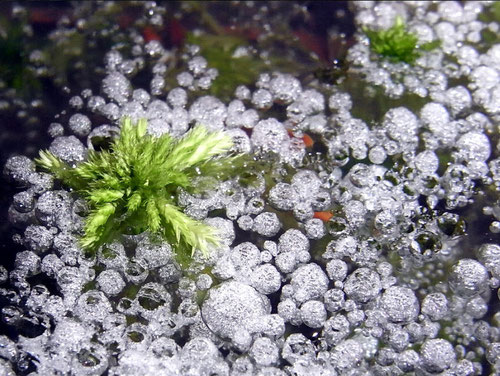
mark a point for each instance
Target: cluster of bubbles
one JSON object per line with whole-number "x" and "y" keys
{"x": 347, "y": 257}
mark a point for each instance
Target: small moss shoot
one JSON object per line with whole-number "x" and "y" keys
{"x": 133, "y": 186}
{"x": 396, "y": 43}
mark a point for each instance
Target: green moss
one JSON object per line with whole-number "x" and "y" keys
{"x": 14, "y": 69}
{"x": 133, "y": 187}
{"x": 233, "y": 71}
{"x": 396, "y": 43}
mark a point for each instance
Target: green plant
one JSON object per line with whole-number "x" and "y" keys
{"x": 396, "y": 43}
{"x": 134, "y": 184}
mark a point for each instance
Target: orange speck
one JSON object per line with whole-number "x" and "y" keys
{"x": 323, "y": 215}
{"x": 308, "y": 141}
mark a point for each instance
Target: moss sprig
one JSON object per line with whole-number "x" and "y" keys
{"x": 133, "y": 186}
{"x": 396, "y": 43}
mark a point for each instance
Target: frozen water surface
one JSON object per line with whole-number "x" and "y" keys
{"x": 367, "y": 244}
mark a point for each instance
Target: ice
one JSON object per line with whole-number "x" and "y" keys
{"x": 285, "y": 88}
{"x": 4, "y": 274}
{"x": 427, "y": 162}
{"x": 225, "y": 229}
{"x": 23, "y": 202}
{"x": 377, "y": 155}
{"x": 111, "y": 111}
{"x": 152, "y": 298}
{"x": 293, "y": 241}
{"x": 51, "y": 264}
{"x": 269, "y": 136}
{"x": 400, "y": 304}
{"x": 489, "y": 255}
{"x": 185, "y": 79}
{"x": 435, "y": 305}
{"x": 264, "y": 352}
{"x": 197, "y": 65}
{"x": 493, "y": 353}
{"x": 347, "y": 353}
{"x": 437, "y": 355}
{"x": 266, "y": 279}
{"x": 340, "y": 102}
{"x": 134, "y": 110}
{"x": 335, "y": 329}
{"x": 262, "y": 99}
{"x": 112, "y": 256}
{"x": 468, "y": 277}
{"x": 355, "y": 213}
{"x": 484, "y": 77}
{"x": 209, "y": 111}
{"x": 158, "y": 109}
{"x": 170, "y": 273}
{"x": 242, "y": 92}
{"x": 308, "y": 282}
{"x": 362, "y": 285}
{"x": 112, "y": 59}
{"x": 110, "y": 282}
{"x": 289, "y": 312}
{"x": 133, "y": 362}
{"x": 458, "y": 99}
{"x": 76, "y": 102}
{"x": 157, "y": 85}
{"x": 158, "y": 127}
{"x": 154, "y": 48}
{"x": 136, "y": 271}
{"x": 387, "y": 179}
{"x": 407, "y": 360}
{"x": 474, "y": 146}
{"x": 96, "y": 103}
{"x": 477, "y": 307}
{"x": 336, "y": 270}
{"x": 38, "y": 238}
{"x": 141, "y": 96}
{"x": 66, "y": 247}
{"x": 103, "y": 134}
{"x": 297, "y": 347}
{"x": 266, "y": 224}
{"x": 153, "y": 255}
{"x": 204, "y": 282}
{"x": 69, "y": 149}
{"x": 117, "y": 87}
{"x": 314, "y": 228}
{"x": 244, "y": 257}
{"x": 55, "y": 130}
{"x": 230, "y": 306}
{"x": 283, "y": 196}
{"x": 401, "y": 124}
{"x": 245, "y": 222}
{"x": 177, "y": 97}
{"x": 92, "y": 306}
{"x": 40, "y": 182}
{"x": 179, "y": 121}
{"x": 27, "y": 263}
{"x": 242, "y": 366}
{"x": 18, "y": 169}
{"x": 313, "y": 313}
{"x": 241, "y": 141}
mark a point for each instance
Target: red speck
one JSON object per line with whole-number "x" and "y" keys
{"x": 150, "y": 34}
{"x": 314, "y": 43}
{"x": 176, "y": 32}
{"x": 323, "y": 215}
